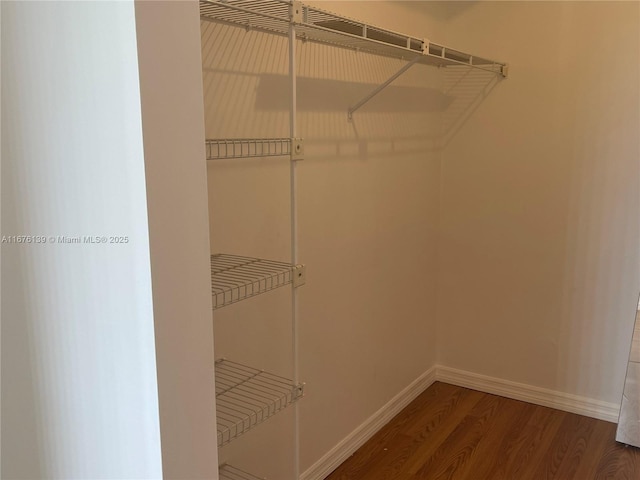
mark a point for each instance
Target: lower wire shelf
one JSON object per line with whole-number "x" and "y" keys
{"x": 227, "y": 472}
{"x": 246, "y": 397}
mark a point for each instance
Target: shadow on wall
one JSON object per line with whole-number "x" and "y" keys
{"x": 442, "y": 10}
{"x": 246, "y": 89}
{"x": 467, "y": 88}
{"x": 327, "y": 95}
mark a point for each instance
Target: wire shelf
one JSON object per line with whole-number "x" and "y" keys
{"x": 247, "y": 148}
{"x": 227, "y": 472}
{"x": 268, "y": 15}
{"x": 235, "y": 278}
{"x": 246, "y": 397}
{"x": 325, "y": 27}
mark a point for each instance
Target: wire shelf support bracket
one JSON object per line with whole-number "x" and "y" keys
{"x": 297, "y": 149}
{"x": 381, "y": 87}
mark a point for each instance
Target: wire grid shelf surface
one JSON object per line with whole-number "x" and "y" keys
{"x": 235, "y": 278}
{"x": 325, "y": 27}
{"x": 268, "y": 15}
{"x": 228, "y": 472}
{"x": 246, "y": 397}
{"x": 247, "y": 147}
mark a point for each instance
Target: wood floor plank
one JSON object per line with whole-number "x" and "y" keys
{"x": 428, "y": 429}
{"x": 576, "y": 439}
{"x": 539, "y": 433}
{"x": 453, "y": 433}
{"x": 510, "y": 445}
{"x": 425, "y": 410}
{"x": 429, "y": 439}
{"x": 440, "y": 403}
{"x": 618, "y": 462}
{"x": 603, "y": 436}
{"x": 454, "y": 456}
{"x": 389, "y": 462}
{"x": 503, "y": 430}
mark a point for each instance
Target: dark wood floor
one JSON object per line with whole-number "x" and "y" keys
{"x": 455, "y": 433}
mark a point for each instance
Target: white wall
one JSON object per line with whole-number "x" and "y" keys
{"x": 368, "y": 213}
{"x": 79, "y": 391}
{"x": 172, "y": 121}
{"x": 540, "y": 238}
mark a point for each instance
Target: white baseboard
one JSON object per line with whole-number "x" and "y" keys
{"x": 505, "y": 388}
{"x": 343, "y": 450}
{"x": 528, "y": 393}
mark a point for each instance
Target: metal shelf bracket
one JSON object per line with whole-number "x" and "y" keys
{"x": 384, "y": 85}
{"x": 299, "y": 276}
{"x": 297, "y": 149}
{"x": 297, "y": 12}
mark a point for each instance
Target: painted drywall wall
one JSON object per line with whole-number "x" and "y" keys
{"x": 368, "y": 214}
{"x": 172, "y": 120}
{"x": 79, "y": 390}
{"x": 540, "y": 232}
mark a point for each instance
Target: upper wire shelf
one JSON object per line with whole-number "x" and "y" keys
{"x": 246, "y": 397}
{"x": 275, "y": 16}
{"x": 235, "y": 278}
{"x": 228, "y": 472}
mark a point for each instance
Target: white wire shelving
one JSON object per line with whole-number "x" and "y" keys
{"x": 228, "y": 472}
{"x": 321, "y": 26}
{"x": 235, "y": 278}
{"x": 218, "y": 149}
{"x": 246, "y": 397}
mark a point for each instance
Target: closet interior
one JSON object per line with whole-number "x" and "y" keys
{"x": 246, "y": 395}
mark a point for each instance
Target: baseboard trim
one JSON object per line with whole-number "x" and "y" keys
{"x": 343, "y": 450}
{"x": 528, "y": 393}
